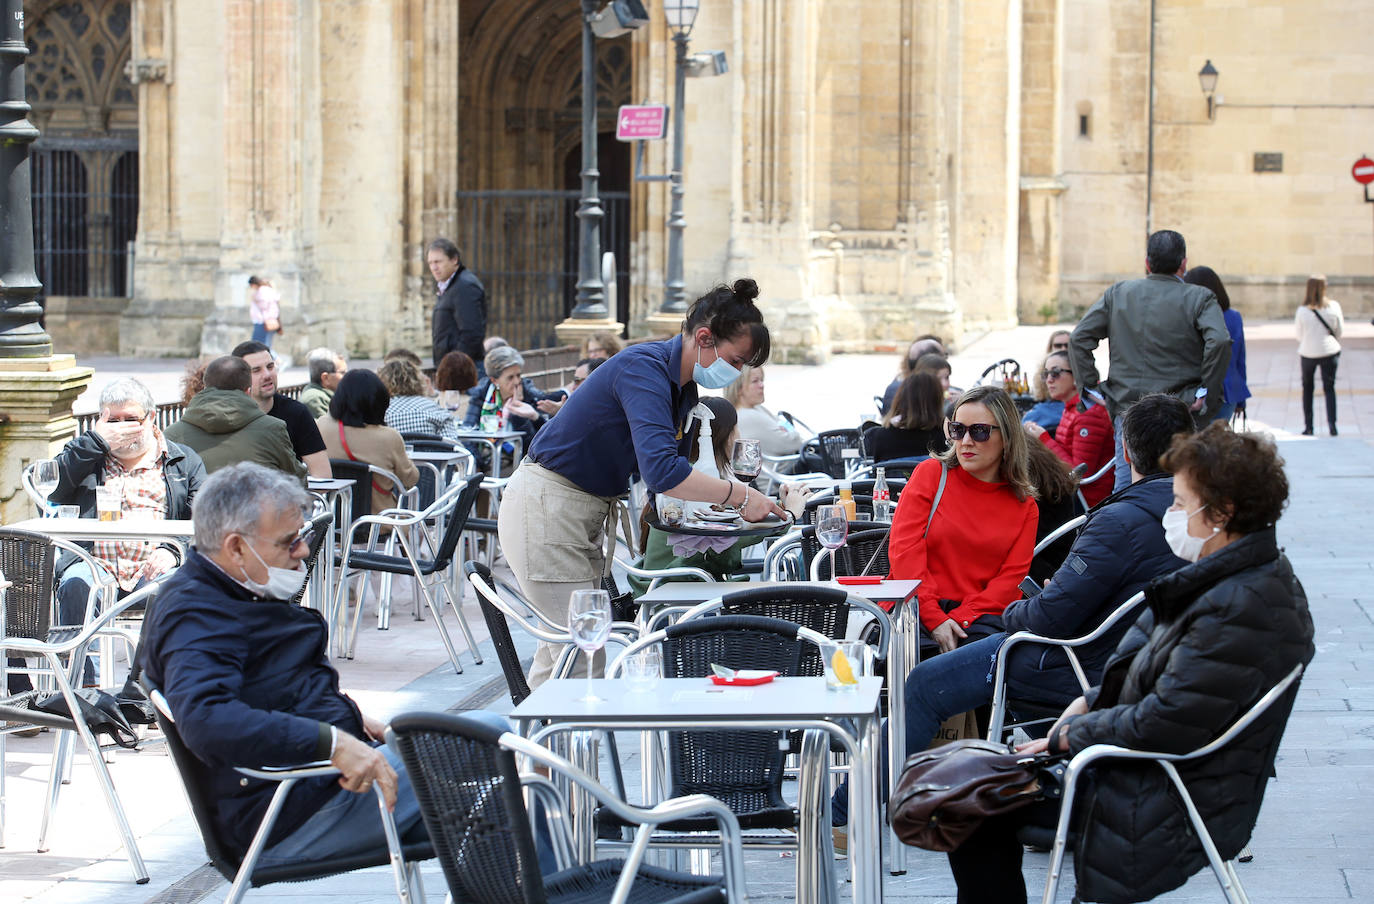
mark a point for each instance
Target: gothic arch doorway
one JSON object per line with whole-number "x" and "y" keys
{"x": 520, "y": 128}
{"x": 84, "y": 165}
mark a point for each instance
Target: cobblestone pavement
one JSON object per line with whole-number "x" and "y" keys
{"x": 1313, "y": 843}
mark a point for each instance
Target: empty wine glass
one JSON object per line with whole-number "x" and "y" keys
{"x": 589, "y": 623}
{"x": 832, "y": 527}
{"x": 45, "y": 480}
{"x": 746, "y": 459}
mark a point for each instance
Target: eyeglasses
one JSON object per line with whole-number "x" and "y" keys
{"x": 1054, "y": 373}
{"x": 1059, "y": 347}
{"x": 980, "y": 433}
{"x": 303, "y": 538}
{"x": 131, "y": 419}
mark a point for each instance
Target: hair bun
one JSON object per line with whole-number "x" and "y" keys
{"x": 745, "y": 289}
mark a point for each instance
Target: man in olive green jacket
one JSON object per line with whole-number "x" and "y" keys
{"x": 225, "y": 426}
{"x": 326, "y": 370}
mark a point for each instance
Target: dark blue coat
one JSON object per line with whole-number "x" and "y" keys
{"x": 249, "y": 684}
{"x": 1118, "y": 551}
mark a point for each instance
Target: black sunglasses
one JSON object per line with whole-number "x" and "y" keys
{"x": 1054, "y": 373}
{"x": 981, "y": 433}
{"x": 1059, "y": 347}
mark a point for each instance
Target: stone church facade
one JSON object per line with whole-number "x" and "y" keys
{"x": 883, "y": 169}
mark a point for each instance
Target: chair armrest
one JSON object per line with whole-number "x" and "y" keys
{"x": 679, "y": 571}
{"x": 316, "y": 769}
{"x": 88, "y": 631}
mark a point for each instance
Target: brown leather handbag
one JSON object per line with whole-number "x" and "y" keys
{"x": 946, "y": 792}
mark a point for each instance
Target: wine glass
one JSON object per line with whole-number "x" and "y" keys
{"x": 746, "y": 459}
{"x": 832, "y": 527}
{"x": 45, "y": 480}
{"x": 589, "y": 623}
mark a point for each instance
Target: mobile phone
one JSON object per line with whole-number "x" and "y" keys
{"x": 1029, "y": 588}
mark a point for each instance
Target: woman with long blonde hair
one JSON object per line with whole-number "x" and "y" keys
{"x": 1319, "y": 325}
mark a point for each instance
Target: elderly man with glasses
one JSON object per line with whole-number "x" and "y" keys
{"x": 248, "y": 679}
{"x": 157, "y": 478}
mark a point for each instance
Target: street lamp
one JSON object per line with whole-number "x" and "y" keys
{"x": 681, "y": 15}
{"x": 21, "y": 335}
{"x": 1207, "y": 77}
{"x": 617, "y": 18}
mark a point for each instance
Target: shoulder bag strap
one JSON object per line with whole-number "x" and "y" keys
{"x": 939, "y": 491}
{"x": 1317, "y": 314}
{"x": 351, "y": 457}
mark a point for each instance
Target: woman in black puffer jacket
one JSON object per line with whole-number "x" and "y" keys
{"x": 1218, "y": 634}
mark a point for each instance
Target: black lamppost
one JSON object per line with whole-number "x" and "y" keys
{"x": 681, "y": 15}
{"x": 21, "y": 336}
{"x": 1207, "y": 77}
{"x": 616, "y": 18}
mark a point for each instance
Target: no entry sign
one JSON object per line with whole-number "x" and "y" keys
{"x": 1363, "y": 171}
{"x": 641, "y": 122}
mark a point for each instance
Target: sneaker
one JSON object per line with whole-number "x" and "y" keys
{"x": 840, "y": 836}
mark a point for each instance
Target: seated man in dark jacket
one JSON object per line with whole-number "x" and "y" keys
{"x": 248, "y": 678}
{"x": 1120, "y": 548}
{"x": 225, "y": 426}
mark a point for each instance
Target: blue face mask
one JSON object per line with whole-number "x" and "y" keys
{"x": 718, "y": 376}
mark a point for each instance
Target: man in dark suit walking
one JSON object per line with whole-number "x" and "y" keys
{"x": 460, "y": 317}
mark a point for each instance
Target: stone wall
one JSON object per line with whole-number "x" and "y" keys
{"x": 83, "y": 326}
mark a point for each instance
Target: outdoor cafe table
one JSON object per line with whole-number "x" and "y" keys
{"x": 338, "y": 495}
{"x": 494, "y": 441}
{"x": 785, "y": 704}
{"x": 898, "y": 596}
{"x": 157, "y": 529}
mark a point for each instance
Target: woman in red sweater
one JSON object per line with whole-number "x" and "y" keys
{"x": 977, "y": 549}
{"x": 1082, "y": 437}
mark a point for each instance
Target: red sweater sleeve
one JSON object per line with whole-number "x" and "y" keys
{"x": 1004, "y": 586}
{"x": 906, "y": 546}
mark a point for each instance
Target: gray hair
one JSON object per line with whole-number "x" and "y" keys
{"x": 500, "y": 358}
{"x": 234, "y": 500}
{"x": 321, "y": 362}
{"x": 127, "y": 389}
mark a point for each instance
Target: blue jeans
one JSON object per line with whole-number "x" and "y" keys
{"x": 1225, "y": 411}
{"x": 260, "y": 334}
{"x": 349, "y": 822}
{"x": 937, "y": 689}
{"x": 73, "y": 591}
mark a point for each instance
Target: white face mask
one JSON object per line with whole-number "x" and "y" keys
{"x": 1183, "y": 544}
{"x": 282, "y": 583}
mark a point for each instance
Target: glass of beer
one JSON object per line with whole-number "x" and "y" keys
{"x": 109, "y": 498}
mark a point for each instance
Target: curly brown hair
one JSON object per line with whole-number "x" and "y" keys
{"x": 1238, "y": 476}
{"x": 401, "y": 378}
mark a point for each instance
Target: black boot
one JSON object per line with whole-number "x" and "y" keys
{"x": 1307, "y": 431}
{"x": 1333, "y": 430}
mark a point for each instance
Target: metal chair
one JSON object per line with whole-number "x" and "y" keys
{"x": 742, "y": 769}
{"x": 320, "y": 525}
{"x": 241, "y": 867}
{"x": 457, "y": 502}
{"x": 1225, "y": 871}
{"x": 1108, "y": 469}
{"x": 833, "y": 445}
{"x": 470, "y": 794}
{"x": 1127, "y": 611}
{"x": 27, "y": 560}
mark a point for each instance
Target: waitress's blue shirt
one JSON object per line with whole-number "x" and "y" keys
{"x": 629, "y": 417}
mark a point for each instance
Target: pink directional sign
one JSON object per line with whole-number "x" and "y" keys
{"x": 641, "y": 122}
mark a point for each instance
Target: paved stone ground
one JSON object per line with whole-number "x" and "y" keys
{"x": 1313, "y": 843}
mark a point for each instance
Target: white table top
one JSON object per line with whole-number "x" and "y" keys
{"x": 697, "y": 699}
{"x": 124, "y": 528}
{"x": 438, "y": 458}
{"x": 329, "y": 484}
{"x": 475, "y": 433}
{"x": 678, "y": 593}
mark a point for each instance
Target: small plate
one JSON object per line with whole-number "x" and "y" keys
{"x": 746, "y": 678}
{"x": 718, "y": 517}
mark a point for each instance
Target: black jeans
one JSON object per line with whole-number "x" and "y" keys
{"x": 987, "y": 866}
{"x": 1309, "y": 368}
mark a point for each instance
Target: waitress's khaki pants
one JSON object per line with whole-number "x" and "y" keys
{"x": 553, "y": 535}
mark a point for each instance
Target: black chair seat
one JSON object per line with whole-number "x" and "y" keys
{"x": 380, "y": 561}
{"x": 596, "y": 882}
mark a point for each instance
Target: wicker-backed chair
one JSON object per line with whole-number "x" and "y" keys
{"x": 240, "y": 867}
{"x": 27, "y": 561}
{"x": 470, "y": 794}
{"x": 832, "y": 445}
{"x": 321, "y": 536}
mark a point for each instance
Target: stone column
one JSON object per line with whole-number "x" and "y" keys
{"x": 36, "y": 396}
{"x": 1042, "y": 128}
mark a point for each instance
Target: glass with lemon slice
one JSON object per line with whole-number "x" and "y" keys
{"x": 843, "y": 665}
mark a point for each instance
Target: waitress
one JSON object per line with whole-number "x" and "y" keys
{"x": 557, "y": 519}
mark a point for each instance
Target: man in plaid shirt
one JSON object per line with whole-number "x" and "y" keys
{"x": 158, "y": 479}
